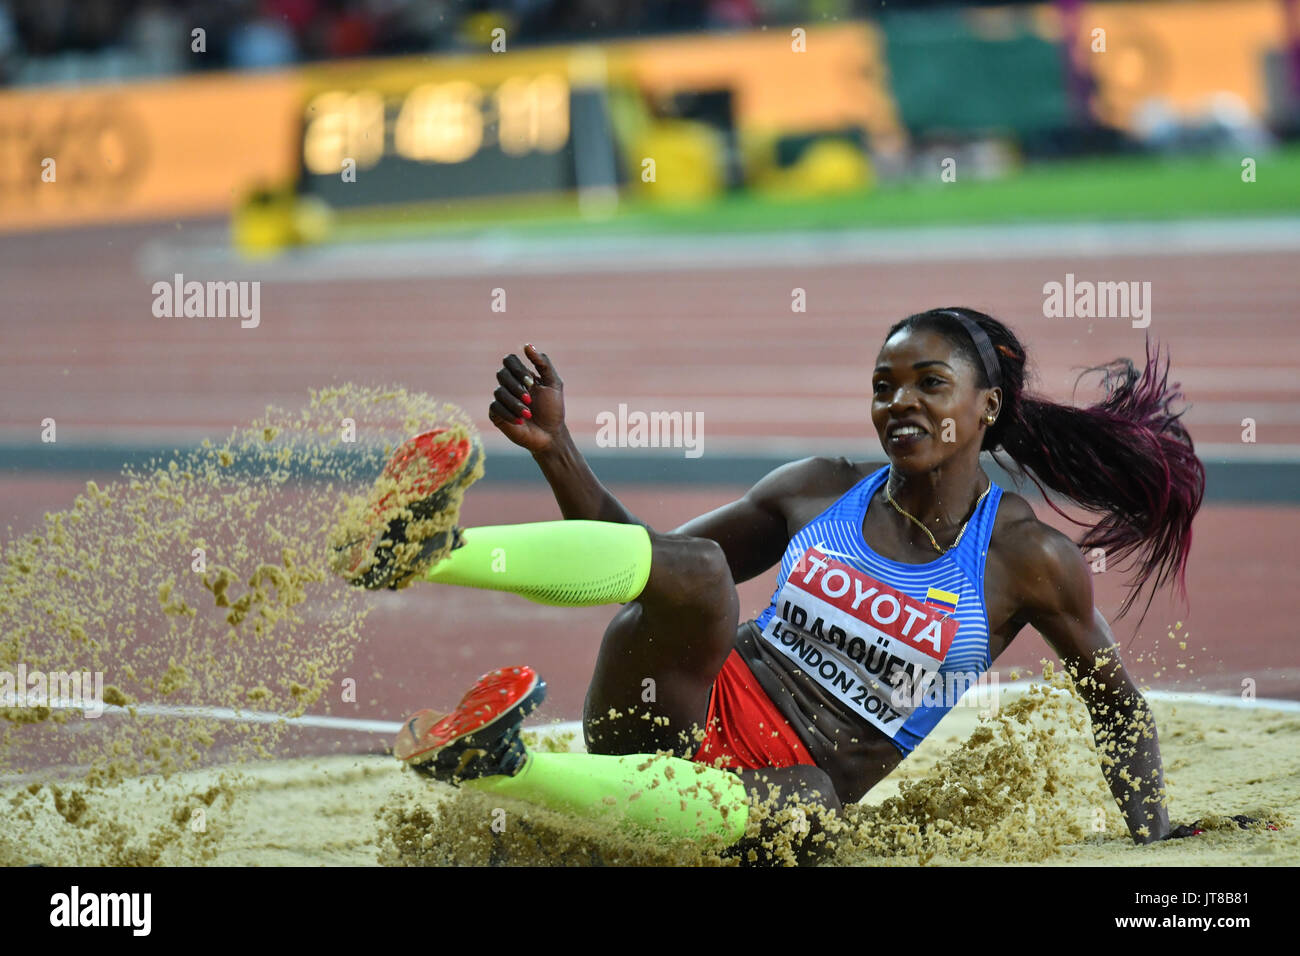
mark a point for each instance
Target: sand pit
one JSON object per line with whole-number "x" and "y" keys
{"x": 1029, "y": 791}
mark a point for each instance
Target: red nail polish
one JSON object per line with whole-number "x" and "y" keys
{"x": 519, "y": 421}
{"x": 528, "y": 399}
{"x": 527, "y": 414}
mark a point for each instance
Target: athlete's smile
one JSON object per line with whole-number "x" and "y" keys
{"x": 905, "y": 434}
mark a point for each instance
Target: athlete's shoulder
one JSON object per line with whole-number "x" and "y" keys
{"x": 1014, "y": 515}
{"x": 1044, "y": 564}
{"x": 814, "y": 475}
{"x": 808, "y": 479}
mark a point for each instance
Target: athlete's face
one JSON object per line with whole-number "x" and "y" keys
{"x": 926, "y": 403}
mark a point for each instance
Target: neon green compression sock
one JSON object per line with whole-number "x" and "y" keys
{"x": 668, "y": 795}
{"x": 565, "y": 563}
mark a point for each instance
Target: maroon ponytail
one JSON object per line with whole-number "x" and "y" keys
{"x": 1127, "y": 458}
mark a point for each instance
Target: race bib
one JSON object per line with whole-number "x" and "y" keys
{"x": 873, "y": 648}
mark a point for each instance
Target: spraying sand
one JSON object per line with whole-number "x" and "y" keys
{"x": 201, "y": 581}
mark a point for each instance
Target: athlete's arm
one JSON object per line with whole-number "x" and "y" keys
{"x": 1057, "y": 601}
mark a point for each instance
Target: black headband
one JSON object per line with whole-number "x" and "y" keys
{"x": 982, "y": 345}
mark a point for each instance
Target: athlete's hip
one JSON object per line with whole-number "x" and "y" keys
{"x": 842, "y": 744}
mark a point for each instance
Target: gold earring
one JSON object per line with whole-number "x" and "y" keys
{"x": 990, "y": 420}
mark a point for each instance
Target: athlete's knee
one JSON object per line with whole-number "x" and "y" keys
{"x": 690, "y": 571}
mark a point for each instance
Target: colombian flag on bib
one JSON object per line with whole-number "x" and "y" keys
{"x": 944, "y": 600}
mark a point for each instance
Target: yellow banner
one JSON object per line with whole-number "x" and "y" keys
{"x": 143, "y": 150}
{"x": 783, "y": 79}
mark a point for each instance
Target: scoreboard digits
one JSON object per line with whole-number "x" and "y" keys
{"x": 446, "y": 122}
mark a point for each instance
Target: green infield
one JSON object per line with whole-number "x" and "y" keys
{"x": 1109, "y": 189}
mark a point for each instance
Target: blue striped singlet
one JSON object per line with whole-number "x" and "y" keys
{"x": 895, "y": 643}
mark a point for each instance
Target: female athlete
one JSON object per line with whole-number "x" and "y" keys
{"x": 893, "y": 578}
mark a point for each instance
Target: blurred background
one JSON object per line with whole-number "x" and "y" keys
{"x": 454, "y": 111}
{"x": 713, "y": 208}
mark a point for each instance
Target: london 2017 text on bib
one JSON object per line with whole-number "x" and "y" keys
{"x": 872, "y": 647}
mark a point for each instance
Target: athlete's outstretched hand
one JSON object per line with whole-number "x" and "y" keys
{"x": 528, "y": 405}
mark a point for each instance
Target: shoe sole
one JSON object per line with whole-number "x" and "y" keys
{"x": 418, "y": 748}
{"x": 383, "y": 573}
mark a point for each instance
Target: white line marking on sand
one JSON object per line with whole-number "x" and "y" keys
{"x": 575, "y": 726}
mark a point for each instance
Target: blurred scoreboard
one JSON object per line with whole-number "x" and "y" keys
{"x": 472, "y": 129}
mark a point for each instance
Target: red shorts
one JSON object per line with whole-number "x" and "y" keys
{"x": 744, "y": 727}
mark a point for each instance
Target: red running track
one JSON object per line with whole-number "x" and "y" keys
{"x": 80, "y": 343}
